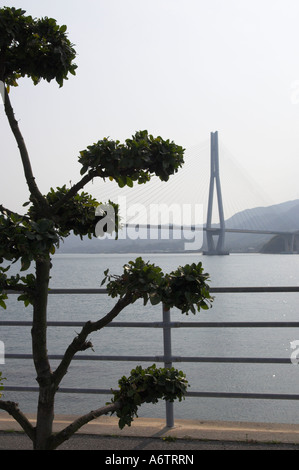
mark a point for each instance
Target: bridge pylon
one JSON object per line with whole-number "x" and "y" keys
{"x": 215, "y": 248}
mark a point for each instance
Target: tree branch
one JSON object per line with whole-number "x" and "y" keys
{"x": 8, "y": 212}
{"x": 73, "y": 191}
{"x": 65, "y": 434}
{"x": 34, "y": 191}
{"x": 13, "y": 409}
{"x": 80, "y": 344}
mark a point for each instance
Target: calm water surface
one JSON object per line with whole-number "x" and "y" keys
{"x": 235, "y": 270}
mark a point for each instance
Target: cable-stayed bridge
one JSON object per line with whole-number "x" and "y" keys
{"x": 188, "y": 202}
{"x": 218, "y": 248}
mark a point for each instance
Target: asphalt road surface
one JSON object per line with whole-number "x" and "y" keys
{"x": 19, "y": 441}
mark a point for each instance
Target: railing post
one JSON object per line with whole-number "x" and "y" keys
{"x": 167, "y": 360}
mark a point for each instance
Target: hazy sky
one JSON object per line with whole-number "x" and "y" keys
{"x": 180, "y": 69}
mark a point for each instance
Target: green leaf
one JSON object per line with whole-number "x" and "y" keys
{"x": 25, "y": 263}
{"x": 155, "y": 299}
{"x": 121, "y": 182}
{"x": 83, "y": 170}
{"x": 129, "y": 182}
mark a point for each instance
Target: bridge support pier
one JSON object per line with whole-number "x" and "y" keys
{"x": 218, "y": 248}
{"x": 289, "y": 243}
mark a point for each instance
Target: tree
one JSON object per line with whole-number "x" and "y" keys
{"x": 40, "y": 49}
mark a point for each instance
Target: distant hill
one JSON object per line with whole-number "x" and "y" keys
{"x": 283, "y": 216}
{"x": 74, "y": 244}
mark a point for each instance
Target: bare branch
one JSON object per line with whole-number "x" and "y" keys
{"x": 8, "y": 212}
{"x": 73, "y": 191}
{"x": 65, "y": 434}
{"x": 13, "y": 409}
{"x": 80, "y": 344}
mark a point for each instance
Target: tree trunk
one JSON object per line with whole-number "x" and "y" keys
{"x": 45, "y": 411}
{"x": 45, "y": 416}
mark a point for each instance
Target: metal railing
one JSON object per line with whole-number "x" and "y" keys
{"x": 167, "y": 358}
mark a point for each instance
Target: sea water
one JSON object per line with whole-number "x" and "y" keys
{"x": 86, "y": 271}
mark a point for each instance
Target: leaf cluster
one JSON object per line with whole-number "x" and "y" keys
{"x": 77, "y": 213}
{"x": 147, "y": 386}
{"x": 25, "y": 240}
{"x": 25, "y": 284}
{"x": 186, "y": 288}
{"x": 137, "y": 160}
{"x": 139, "y": 280}
{"x": 36, "y": 48}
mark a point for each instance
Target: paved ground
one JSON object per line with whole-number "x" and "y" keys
{"x": 147, "y": 434}
{"x": 18, "y": 441}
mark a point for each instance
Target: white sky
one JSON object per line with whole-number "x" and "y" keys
{"x": 178, "y": 68}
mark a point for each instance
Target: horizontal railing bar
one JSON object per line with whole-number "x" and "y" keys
{"x": 92, "y": 358}
{"x": 240, "y": 395}
{"x": 78, "y": 291}
{"x": 252, "y": 324}
{"x": 253, "y": 289}
{"x": 238, "y": 360}
{"x": 248, "y": 289}
{"x": 215, "y": 359}
{"x": 264, "y": 396}
{"x": 61, "y": 390}
{"x": 278, "y": 324}
{"x": 75, "y": 324}
{"x": 96, "y": 391}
